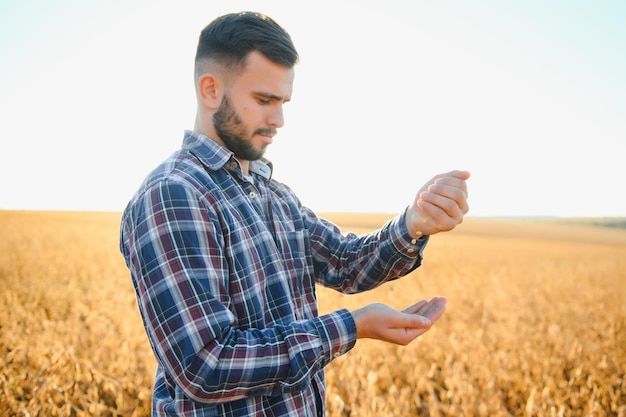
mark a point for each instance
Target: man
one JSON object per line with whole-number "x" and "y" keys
{"x": 224, "y": 259}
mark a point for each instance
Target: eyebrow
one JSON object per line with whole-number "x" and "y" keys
{"x": 272, "y": 97}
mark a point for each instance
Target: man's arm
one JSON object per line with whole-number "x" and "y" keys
{"x": 352, "y": 264}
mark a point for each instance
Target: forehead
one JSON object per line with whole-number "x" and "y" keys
{"x": 260, "y": 75}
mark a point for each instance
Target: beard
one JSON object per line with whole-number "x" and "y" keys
{"x": 232, "y": 131}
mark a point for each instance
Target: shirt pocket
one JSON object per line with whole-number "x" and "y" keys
{"x": 292, "y": 246}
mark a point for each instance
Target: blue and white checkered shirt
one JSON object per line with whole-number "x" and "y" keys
{"x": 224, "y": 270}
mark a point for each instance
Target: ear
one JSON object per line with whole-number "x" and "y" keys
{"x": 209, "y": 90}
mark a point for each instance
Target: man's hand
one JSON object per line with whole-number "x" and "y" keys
{"x": 379, "y": 321}
{"x": 439, "y": 205}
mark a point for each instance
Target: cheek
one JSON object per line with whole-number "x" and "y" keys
{"x": 251, "y": 114}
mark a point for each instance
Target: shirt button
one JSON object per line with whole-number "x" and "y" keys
{"x": 337, "y": 354}
{"x": 410, "y": 250}
{"x": 252, "y": 194}
{"x": 414, "y": 242}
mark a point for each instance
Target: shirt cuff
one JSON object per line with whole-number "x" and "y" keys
{"x": 338, "y": 333}
{"x": 403, "y": 241}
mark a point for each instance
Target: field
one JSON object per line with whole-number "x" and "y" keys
{"x": 535, "y": 326}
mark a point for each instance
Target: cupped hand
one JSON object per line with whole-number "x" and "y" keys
{"x": 379, "y": 321}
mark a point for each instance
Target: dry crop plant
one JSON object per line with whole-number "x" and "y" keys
{"x": 71, "y": 341}
{"x": 536, "y": 324}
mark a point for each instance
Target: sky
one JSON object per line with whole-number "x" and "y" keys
{"x": 529, "y": 96}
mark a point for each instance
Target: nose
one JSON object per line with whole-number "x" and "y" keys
{"x": 276, "y": 118}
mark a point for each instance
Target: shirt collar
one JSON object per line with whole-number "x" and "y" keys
{"x": 215, "y": 156}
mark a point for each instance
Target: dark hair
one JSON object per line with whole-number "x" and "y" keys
{"x": 229, "y": 39}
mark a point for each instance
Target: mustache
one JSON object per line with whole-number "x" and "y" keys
{"x": 267, "y": 131}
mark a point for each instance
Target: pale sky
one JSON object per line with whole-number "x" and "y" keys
{"x": 530, "y": 96}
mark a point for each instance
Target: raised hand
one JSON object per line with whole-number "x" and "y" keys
{"x": 439, "y": 205}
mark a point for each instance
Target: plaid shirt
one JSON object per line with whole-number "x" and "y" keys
{"x": 224, "y": 270}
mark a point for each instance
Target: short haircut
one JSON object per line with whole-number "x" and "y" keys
{"x": 229, "y": 39}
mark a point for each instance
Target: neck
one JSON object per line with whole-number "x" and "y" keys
{"x": 245, "y": 166}
{"x": 203, "y": 128}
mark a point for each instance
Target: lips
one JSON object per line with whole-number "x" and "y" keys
{"x": 267, "y": 134}
{"x": 267, "y": 139}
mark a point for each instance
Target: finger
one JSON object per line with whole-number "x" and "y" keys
{"x": 441, "y": 210}
{"x": 434, "y": 218}
{"x": 453, "y": 187}
{"x": 451, "y": 200}
{"x": 415, "y": 307}
{"x": 434, "y": 308}
{"x": 411, "y": 321}
{"x": 424, "y": 306}
{"x": 452, "y": 183}
{"x": 410, "y": 327}
{"x": 450, "y": 203}
{"x": 461, "y": 174}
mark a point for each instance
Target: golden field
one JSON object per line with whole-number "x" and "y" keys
{"x": 535, "y": 326}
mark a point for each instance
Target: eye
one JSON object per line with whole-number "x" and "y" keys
{"x": 262, "y": 101}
